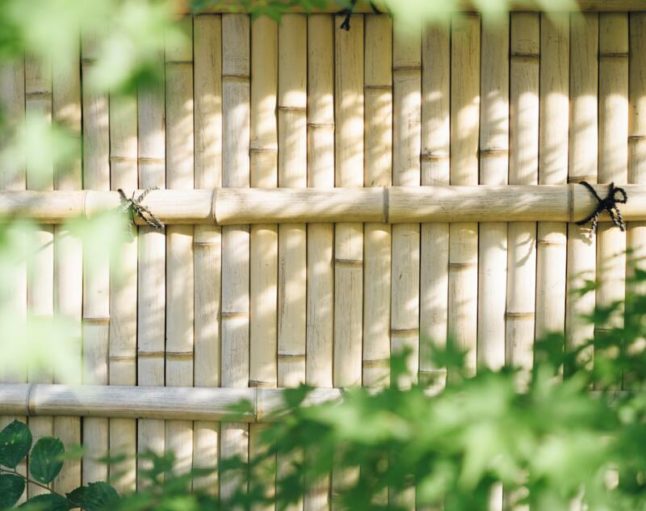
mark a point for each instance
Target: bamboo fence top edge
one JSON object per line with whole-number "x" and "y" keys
{"x": 364, "y": 7}
{"x": 231, "y": 206}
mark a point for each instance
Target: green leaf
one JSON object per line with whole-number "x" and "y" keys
{"x": 15, "y": 441}
{"x": 94, "y": 497}
{"x": 47, "y": 502}
{"x": 46, "y": 459}
{"x": 11, "y": 488}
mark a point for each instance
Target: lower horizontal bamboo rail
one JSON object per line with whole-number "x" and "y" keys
{"x": 139, "y": 402}
{"x": 396, "y": 204}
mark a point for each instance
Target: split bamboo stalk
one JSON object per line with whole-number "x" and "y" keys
{"x": 292, "y": 165}
{"x": 494, "y": 165}
{"x": 68, "y": 255}
{"x": 582, "y": 166}
{"x": 292, "y": 238}
{"x": 378, "y": 165}
{"x": 613, "y": 153}
{"x": 348, "y": 303}
{"x": 523, "y": 169}
{"x": 179, "y": 239}
{"x": 494, "y": 169}
{"x": 463, "y": 237}
{"x": 320, "y": 237}
{"x": 407, "y": 106}
{"x": 122, "y": 368}
{"x": 235, "y": 238}
{"x": 151, "y": 285}
{"x": 13, "y": 177}
{"x": 348, "y": 249}
{"x": 436, "y": 136}
{"x": 40, "y": 277}
{"x": 96, "y": 269}
{"x": 551, "y": 252}
{"x": 208, "y": 239}
{"x": 263, "y": 370}
{"x": 637, "y": 137}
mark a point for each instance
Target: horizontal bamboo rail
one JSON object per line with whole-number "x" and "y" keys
{"x": 363, "y": 6}
{"x": 231, "y": 206}
{"x": 147, "y": 402}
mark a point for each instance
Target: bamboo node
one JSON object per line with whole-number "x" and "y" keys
{"x": 31, "y": 406}
{"x": 608, "y": 203}
{"x": 519, "y": 315}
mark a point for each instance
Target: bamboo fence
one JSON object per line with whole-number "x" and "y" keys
{"x": 330, "y": 197}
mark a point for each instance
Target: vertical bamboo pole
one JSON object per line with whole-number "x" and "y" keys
{"x": 96, "y": 271}
{"x": 436, "y": 136}
{"x": 407, "y": 106}
{"x": 263, "y": 370}
{"x": 292, "y": 173}
{"x": 208, "y": 239}
{"x": 551, "y": 251}
{"x": 179, "y": 247}
{"x": 523, "y": 169}
{"x": 151, "y": 285}
{"x": 123, "y": 287}
{"x": 13, "y": 177}
{"x": 68, "y": 257}
{"x": 235, "y": 238}
{"x": 582, "y": 166}
{"x": 637, "y": 138}
{"x": 494, "y": 164}
{"x": 348, "y": 250}
{"x": 613, "y": 152}
{"x": 378, "y": 165}
{"x": 463, "y": 244}
{"x": 40, "y": 279}
{"x": 320, "y": 237}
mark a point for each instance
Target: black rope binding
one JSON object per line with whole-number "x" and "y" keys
{"x": 609, "y": 204}
{"x": 133, "y": 207}
{"x": 345, "y": 25}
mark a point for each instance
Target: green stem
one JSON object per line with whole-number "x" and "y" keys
{"x": 30, "y": 481}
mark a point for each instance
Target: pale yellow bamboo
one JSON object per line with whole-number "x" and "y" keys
{"x": 263, "y": 270}
{"x": 96, "y": 270}
{"x": 378, "y": 172}
{"x": 40, "y": 277}
{"x": 68, "y": 257}
{"x": 637, "y": 136}
{"x": 208, "y": 239}
{"x": 13, "y": 177}
{"x": 151, "y": 299}
{"x": 235, "y": 239}
{"x": 292, "y": 164}
{"x": 151, "y": 402}
{"x": 613, "y": 152}
{"x": 494, "y": 165}
{"x": 348, "y": 242}
{"x": 463, "y": 237}
{"x": 523, "y": 169}
{"x": 179, "y": 247}
{"x": 582, "y": 166}
{"x": 436, "y": 135}
{"x": 348, "y": 306}
{"x": 123, "y": 291}
{"x": 551, "y": 253}
{"x": 395, "y": 205}
{"x": 320, "y": 237}
{"x": 407, "y": 99}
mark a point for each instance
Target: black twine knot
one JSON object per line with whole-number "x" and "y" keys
{"x": 133, "y": 207}
{"x": 348, "y": 11}
{"x": 608, "y": 203}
